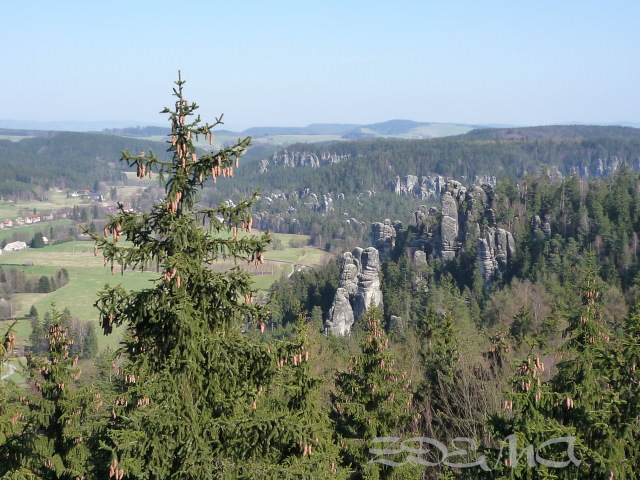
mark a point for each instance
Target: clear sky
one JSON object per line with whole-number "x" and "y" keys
{"x": 292, "y": 63}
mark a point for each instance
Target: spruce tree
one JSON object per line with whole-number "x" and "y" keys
{"x": 586, "y": 380}
{"x": 629, "y": 386}
{"x": 200, "y": 394}
{"x": 55, "y": 445}
{"x": 371, "y": 400}
{"x": 524, "y": 427}
{"x": 12, "y": 414}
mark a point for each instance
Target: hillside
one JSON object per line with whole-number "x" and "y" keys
{"x": 333, "y": 191}
{"x": 390, "y": 129}
{"x": 557, "y": 131}
{"x": 65, "y": 160}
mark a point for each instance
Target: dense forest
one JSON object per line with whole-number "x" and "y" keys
{"x": 547, "y": 350}
{"x": 532, "y": 375}
{"x": 66, "y": 160}
{"x": 361, "y": 186}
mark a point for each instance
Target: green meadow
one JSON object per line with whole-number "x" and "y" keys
{"x": 88, "y": 275}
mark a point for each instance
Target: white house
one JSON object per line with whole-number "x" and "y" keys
{"x": 15, "y": 246}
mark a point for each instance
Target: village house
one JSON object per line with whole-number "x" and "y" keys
{"x": 35, "y": 218}
{"x": 19, "y": 222}
{"x": 8, "y": 223}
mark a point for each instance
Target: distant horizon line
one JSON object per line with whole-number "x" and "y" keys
{"x": 101, "y": 125}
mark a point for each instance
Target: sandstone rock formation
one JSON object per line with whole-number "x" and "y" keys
{"x": 287, "y": 158}
{"x": 494, "y": 251}
{"x": 449, "y": 226}
{"x": 359, "y": 286}
{"x": 383, "y": 238}
{"x": 341, "y": 314}
{"x": 369, "y": 291}
{"x": 428, "y": 186}
{"x": 464, "y": 215}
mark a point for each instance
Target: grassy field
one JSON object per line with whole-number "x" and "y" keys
{"x": 55, "y": 201}
{"x": 88, "y": 275}
{"x": 27, "y": 231}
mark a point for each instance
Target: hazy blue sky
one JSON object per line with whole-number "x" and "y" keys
{"x": 300, "y": 62}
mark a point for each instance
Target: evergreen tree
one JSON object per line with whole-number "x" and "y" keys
{"x": 44, "y": 285}
{"x": 12, "y": 414}
{"x": 371, "y": 400}
{"x": 525, "y": 427}
{"x": 37, "y": 337}
{"x": 200, "y": 395}
{"x": 628, "y": 383}
{"x": 90, "y": 347}
{"x": 586, "y": 379}
{"x": 37, "y": 241}
{"x": 56, "y": 444}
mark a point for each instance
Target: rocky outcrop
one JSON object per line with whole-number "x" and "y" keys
{"x": 425, "y": 187}
{"x": 15, "y": 246}
{"x": 327, "y": 203}
{"x": 286, "y": 158}
{"x": 407, "y": 186}
{"x": 369, "y": 292}
{"x": 431, "y": 186}
{"x": 494, "y": 251}
{"x": 465, "y": 215}
{"x": 359, "y": 286}
{"x": 383, "y": 237}
{"x": 341, "y": 314}
{"x": 449, "y": 226}
{"x": 542, "y": 224}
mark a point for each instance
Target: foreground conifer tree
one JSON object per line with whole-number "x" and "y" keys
{"x": 56, "y": 445}
{"x": 586, "y": 381}
{"x": 372, "y": 400}
{"x": 200, "y": 396}
{"x": 12, "y": 415}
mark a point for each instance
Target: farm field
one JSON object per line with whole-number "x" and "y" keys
{"x": 27, "y": 231}
{"x": 55, "y": 200}
{"x": 88, "y": 275}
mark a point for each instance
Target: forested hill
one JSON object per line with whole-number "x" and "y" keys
{"x": 558, "y": 131}
{"x": 65, "y": 160}
{"x": 374, "y": 164}
{"x": 314, "y": 188}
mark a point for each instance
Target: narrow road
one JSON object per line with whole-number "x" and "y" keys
{"x": 12, "y": 369}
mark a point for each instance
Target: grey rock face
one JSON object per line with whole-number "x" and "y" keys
{"x": 429, "y": 186}
{"x": 359, "y": 286}
{"x": 542, "y": 224}
{"x": 494, "y": 251}
{"x": 327, "y": 203}
{"x": 341, "y": 314}
{"x": 449, "y": 226}
{"x": 462, "y": 214}
{"x": 288, "y": 158}
{"x": 349, "y": 273}
{"x": 383, "y": 238}
{"x": 368, "y": 283}
{"x": 485, "y": 255}
{"x": 419, "y": 256}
